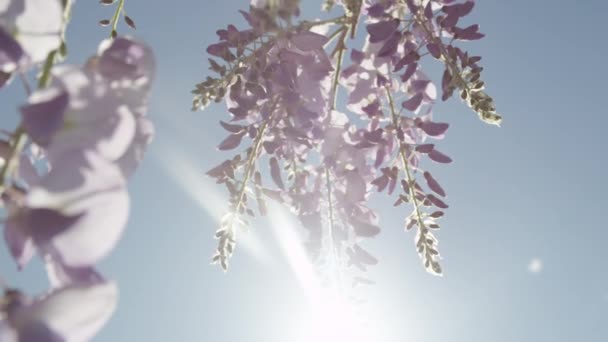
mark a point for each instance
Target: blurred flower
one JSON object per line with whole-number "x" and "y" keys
{"x": 71, "y": 313}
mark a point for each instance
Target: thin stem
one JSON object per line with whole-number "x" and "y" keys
{"x": 333, "y": 95}
{"x": 20, "y": 136}
{"x": 444, "y": 54}
{"x": 404, "y": 160}
{"x": 250, "y": 163}
{"x": 309, "y": 24}
{"x": 119, "y": 9}
{"x": 45, "y": 76}
{"x": 340, "y": 48}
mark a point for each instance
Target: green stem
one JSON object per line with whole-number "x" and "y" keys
{"x": 119, "y": 8}
{"x": 333, "y": 95}
{"x": 45, "y": 76}
{"x": 20, "y": 136}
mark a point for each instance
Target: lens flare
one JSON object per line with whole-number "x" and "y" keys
{"x": 192, "y": 181}
{"x": 330, "y": 315}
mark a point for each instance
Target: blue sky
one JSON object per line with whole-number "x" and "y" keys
{"x": 533, "y": 189}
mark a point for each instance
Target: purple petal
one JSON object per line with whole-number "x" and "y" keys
{"x": 231, "y": 142}
{"x": 232, "y": 128}
{"x": 408, "y": 60}
{"x": 37, "y": 331}
{"x": 433, "y": 184}
{"x": 413, "y": 103}
{"x": 43, "y": 224}
{"x": 43, "y": 115}
{"x": 409, "y": 71}
{"x": 308, "y": 41}
{"x": 390, "y": 46}
{"x": 382, "y": 30}
{"x": 434, "y": 50}
{"x": 372, "y": 109}
{"x": 95, "y": 234}
{"x": 434, "y": 129}
{"x": 73, "y": 313}
{"x": 437, "y": 202}
{"x": 428, "y": 10}
{"x": 356, "y": 56}
{"x": 11, "y": 53}
{"x": 99, "y": 119}
{"x": 469, "y": 33}
{"x": 127, "y": 59}
{"x": 376, "y": 11}
{"x": 425, "y": 148}
{"x": 85, "y": 184}
{"x": 439, "y": 157}
{"x": 20, "y": 246}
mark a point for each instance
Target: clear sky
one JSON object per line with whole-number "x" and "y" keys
{"x": 523, "y": 241}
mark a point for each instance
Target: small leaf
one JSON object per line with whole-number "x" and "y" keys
{"x": 130, "y": 22}
{"x": 104, "y": 22}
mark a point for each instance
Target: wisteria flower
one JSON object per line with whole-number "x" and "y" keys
{"x": 29, "y": 31}
{"x": 76, "y": 213}
{"x": 71, "y": 313}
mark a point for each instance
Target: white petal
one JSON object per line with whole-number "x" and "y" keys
{"x": 97, "y": 232}
{"x": 39, "y": 28}
{"x": 77, "y": 312}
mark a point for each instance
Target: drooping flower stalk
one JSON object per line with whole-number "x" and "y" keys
{"x": 358, "y": 150}
{"x": 425, "y": 242}
{"x": 92, "y": 134}
{"x": 336, "y": 269}
{"x": 226, "y": 234}
{"x": 471, "y": 89}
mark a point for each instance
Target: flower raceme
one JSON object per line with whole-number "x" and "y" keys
{"x": 65, "y": 169}
{"x": 280, "y": 77}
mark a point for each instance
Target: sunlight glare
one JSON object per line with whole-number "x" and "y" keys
{"x": 330, "y": 317}
{"x": 192, "y": 181}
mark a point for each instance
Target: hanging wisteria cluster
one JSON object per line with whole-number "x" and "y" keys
{"x": 64, "y": 169}
{"x": 280, "y": 78}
